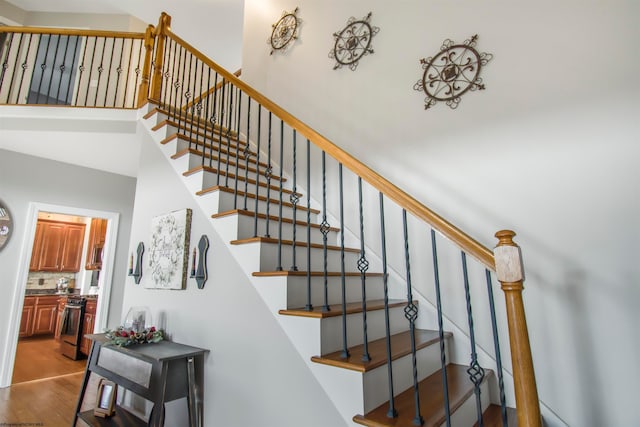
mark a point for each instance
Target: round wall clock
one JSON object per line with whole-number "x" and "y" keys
{"x": 353, "y": 42}
{"x": 452, "y": 72}
{"x": 285, "y": 31}
{"x": 6, "y": 225}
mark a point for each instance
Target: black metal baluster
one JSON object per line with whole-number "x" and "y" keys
{"x": 93, "y": 57}
{"x": 67, "y": 100}
{"x": 128, "y": 73}
{"x": 119, "y": 72}
{"x": 53, "y": 67}
{"x": 81, "y": 69}
{"x": 443, "y": 361}
{"x": 165, "y": 77}
{"x": 24, "y": 67}
{"x": 309, "y": 306}
{"x": 184, "y": 109}
{"x": 268, "y": 173}
{"x": 198, "y": 109}
{"x": 62, "y": 67}
{"x": 43, "y": 67}
{"x": 343, "y": 282}
{"x": 255, "y": 213}
{"x": 475, "y": 371}
{"x": 113, "y": 47}
{"x": 138, "y": 71}
{"x": 247, "y": 154}
{"x": 220, "y": 123}
{"x": 206, "y": 121}
{"x": 5, "y": 62}
{"x": 392, "y": 412}
{"x": 496, "y": 344}
{"x": 324, "y": 229}
{"x": 228, "y": 135}
{"x": 100, "y": 70}
{"x": 411, "y": 314}
{"x": 180, "y": 89}
{"x": 213, "y": 118}
{"x": 294, "y": 198}
{"x": 175, "y": 68}
{"x": 293, "y": 248}
{"x": 363, "y": 266}
{"x": 236, "y": 174}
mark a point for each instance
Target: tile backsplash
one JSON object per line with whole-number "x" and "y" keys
{"x": 46, "y": 280}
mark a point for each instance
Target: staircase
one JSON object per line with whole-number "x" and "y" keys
{"x": 226, "y": 192}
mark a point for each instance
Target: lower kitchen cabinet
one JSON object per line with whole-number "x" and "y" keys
{"x": 39, "y": 315}
{"x": 88, "y": 325}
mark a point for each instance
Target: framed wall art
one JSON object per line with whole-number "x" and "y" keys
{"x": 169, "y": 250}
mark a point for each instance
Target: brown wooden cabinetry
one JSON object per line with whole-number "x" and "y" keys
{"x": 57, "y": 246}
{"x": 39, "y": 315}
{"x": 88, "y": 325}
{"x": 97, "y": 236}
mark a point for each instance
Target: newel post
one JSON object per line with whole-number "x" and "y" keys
{"x": 143, "y": 91}
{"x": 511, "y": 276}
{"x": 164, "y": 24}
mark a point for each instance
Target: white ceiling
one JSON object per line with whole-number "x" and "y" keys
{"x": 77, "y": 6}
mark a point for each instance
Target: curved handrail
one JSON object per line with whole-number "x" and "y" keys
{"x": 404, "y": 200}
{"x": 71, "y": 32}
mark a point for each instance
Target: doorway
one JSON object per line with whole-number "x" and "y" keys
{"x": 105, "y": 278}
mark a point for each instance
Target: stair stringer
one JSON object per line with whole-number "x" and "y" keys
{"x": 345, "y": 388}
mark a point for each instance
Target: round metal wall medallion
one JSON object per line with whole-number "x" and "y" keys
{"x": 285, "y": 31}
{"x": 452, "y": 72}
{"x": 353, "y": 42}
{"x": 6, "y": 225}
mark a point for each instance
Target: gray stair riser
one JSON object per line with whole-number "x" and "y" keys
{"x": 226, "y": 203}
{"x": 331, "y": 328}
{"x": 375, "y": 382}
{"x": 246, "y": 226}
{"x": 297, "y": 290}
{"x": 269, "y": 258}
{"x": 228, "y": 168}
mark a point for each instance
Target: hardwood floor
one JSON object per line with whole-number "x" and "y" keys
{"x": 39, "y": 358}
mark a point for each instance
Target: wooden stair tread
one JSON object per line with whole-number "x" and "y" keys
{"x": 400, "y": 346}
{"x": 253, "y": 196}
{"x": 189, "y": 118}
{"x": 263, "y": 216}
{"x": 223, "y": 159}
{"x": 290, "y": 243}
{"x": 492, "y": 417}
{"x": 232, "y": 176}
{"x": 209, "y": 135}
{"x": 431, "y": 400}
{"x": 336, "y": 309}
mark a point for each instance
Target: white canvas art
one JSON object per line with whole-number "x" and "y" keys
{"x": 169, "y": 250}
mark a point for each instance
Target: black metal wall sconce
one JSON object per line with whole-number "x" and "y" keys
{"x": 137, "y": 272}
{"x": 200, "y": 272}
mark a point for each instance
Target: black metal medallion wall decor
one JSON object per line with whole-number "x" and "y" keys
{"x": 353, "y": 42}
{"x": 452, "y": 72}
{"x": 284, "y": 32}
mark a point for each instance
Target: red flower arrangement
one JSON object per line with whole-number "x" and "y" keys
{"x": 124, "y": 337}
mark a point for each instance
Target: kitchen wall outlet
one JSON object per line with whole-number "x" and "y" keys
{"x": 41, "y": 282}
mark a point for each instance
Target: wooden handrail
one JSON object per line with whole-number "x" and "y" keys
{"x": 71, "y": 32}
{"x": 404, "y": 200}
{"x": 209, "y": 92}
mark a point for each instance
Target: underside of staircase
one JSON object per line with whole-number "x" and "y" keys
{"x": 220, "y": 169}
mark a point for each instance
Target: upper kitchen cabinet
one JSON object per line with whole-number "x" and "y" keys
{"x": 97, "y": 235}
{"x": 57, "y": 246}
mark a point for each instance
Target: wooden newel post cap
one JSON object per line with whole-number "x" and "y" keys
{"x": 508, "y": 258}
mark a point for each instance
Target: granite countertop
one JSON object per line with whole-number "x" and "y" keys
{"x": 30, "y": 292}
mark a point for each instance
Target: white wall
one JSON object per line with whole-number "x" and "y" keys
{"x": 548, "y": 149}
{"x": 253, "y": 375}
{"x": 26, "y": 179}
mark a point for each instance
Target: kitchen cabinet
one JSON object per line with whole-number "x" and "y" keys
{"x": 88, "y": 325}
{"x": 26, "y": 322}
{"x": 97, "y": 236}
{"x": 57, "y": 246}
{"x": 39, "y": 315}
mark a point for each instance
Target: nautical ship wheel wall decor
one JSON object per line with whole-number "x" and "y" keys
{"x": 353, "y": 42}
{"x": 285, "y": 31}
{"x": 452, "y": 72}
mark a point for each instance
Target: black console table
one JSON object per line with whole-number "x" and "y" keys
{"x": 159, "y": 372}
